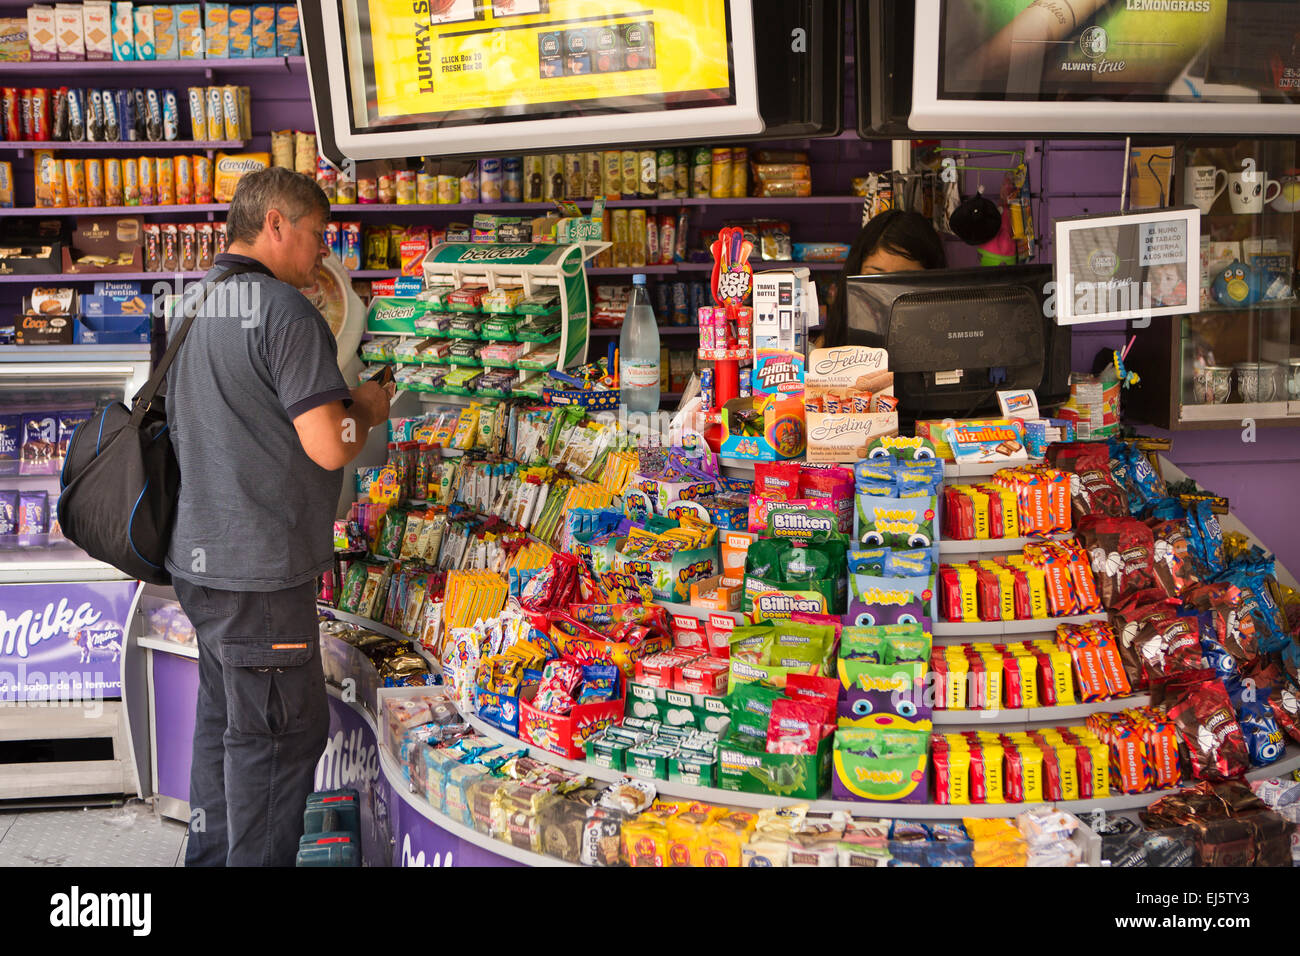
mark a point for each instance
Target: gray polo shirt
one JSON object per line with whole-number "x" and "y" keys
{"x": 255, "y": 513}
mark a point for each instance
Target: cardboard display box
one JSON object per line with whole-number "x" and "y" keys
{"x": 857, "y": 378}
{"x": 105, "y": 244}
{"x": 566, "y": 734}
{"x": 797, "y": 776}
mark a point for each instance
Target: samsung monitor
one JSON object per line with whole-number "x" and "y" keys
{"x": 957, "y": 336}
{"x": 396, "y": 78}
{"x": 1076, "y": 67}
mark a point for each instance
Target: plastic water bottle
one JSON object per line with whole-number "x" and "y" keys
{"x": 638, "y": 352}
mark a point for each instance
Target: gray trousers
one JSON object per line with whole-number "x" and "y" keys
{"x": 260, "y": 723}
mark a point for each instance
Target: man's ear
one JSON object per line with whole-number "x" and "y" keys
{"x": 275, "y": 224}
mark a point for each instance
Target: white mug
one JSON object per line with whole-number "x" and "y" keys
{"x": 1201, "y": 186}
{"x": 1250, "y": 195}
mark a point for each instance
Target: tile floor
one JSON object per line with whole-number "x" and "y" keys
{"x": 127, "y": 835}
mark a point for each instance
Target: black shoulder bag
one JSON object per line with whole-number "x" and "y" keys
{"x": 120, "y": 480}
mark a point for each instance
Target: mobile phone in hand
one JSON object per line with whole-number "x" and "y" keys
{"x": 384, "y": 376}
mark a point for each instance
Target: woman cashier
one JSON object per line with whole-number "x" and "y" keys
{"x": 892, "y": 241}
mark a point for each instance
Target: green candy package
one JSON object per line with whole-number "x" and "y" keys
{"x": 752, "y": 643}
{"x": 864, "y": 644}
{"x": 391, "y": 533}
{"x": 800, "y": 645}
{"x": 885, "y": 644}
{"x": 801, "y": 565}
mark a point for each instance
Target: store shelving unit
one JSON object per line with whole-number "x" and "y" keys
{"x": 207, "y": 67}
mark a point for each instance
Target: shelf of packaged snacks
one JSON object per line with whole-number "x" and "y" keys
{"x": 986, "y": 545}
{"x": 168, "y": 647}
{"x": 1038, "y": 715}
{"x": 1132, "y": 801}
{"x": 978, "y": 630}
{"x": 672, "y": 790}
{"x": 984, "y": 469}
{"x": 368, "y": 208}
{"x": 399, "y": 783}
{"x": 129, "y": 145}
{"x": 112, "y": 210}
{"x": 49, "y": 277}
{"x": 365, "y": 622}
{"x": 242, "y": 64}
{"x": 773, "y": 201}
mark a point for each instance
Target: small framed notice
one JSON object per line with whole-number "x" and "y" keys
{"x": 1128, "y": 265}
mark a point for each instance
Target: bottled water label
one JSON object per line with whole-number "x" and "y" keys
{"x": 637, "y": 373}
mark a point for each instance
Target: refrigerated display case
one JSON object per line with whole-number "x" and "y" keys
{"x": 63, "y": 615}
{"x": 1238, "y": 356}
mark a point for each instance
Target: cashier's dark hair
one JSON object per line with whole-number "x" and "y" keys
{"x": 906, "y": 234}
{"x": 294, "y": 194}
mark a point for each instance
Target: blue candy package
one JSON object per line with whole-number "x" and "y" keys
{"x": 599, "y": 683}
{"x": 1264, "y": 739}
{"x": 915, "y": 563}
{"x": 1215, "y": 654}
{"x": 868, "y": 562}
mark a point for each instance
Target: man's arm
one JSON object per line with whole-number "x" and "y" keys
{"x": 332, "y": 435}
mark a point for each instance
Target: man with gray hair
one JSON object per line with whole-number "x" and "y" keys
{"x": 262, "y": 423}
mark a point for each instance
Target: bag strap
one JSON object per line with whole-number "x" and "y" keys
{"x": 143, "y": 399}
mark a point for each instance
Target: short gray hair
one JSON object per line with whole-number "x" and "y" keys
{"x": 294, "y": 194}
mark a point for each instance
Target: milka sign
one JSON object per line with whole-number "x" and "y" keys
{"x": 21, "y": 633}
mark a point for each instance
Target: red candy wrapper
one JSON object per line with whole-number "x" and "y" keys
{"x": 1199, "y": 706}
{"x": 795, "y": 727}
{"x": 778, "y": 481}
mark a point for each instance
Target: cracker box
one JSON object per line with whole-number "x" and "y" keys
{"x": 216, "y": 30}
{"x": 123, "y": 31}
{"x": 42, "y": 39}
{"x": 263, "y": 30}
{"x": 288, "y": 39}
{"x": 166, "y": 33}
{"x": 849, "y": 402}
{"x": 240, "y": 33}
{"x": 43, "y": 329}
{"x": 97, "y": 20}
{"x": 144, "y": 45}
{"x": 14, "y": 45}
{"x": 566, "y": 734}
{"x": 189, "y": 30}
{"x": 745, "y": 769}
{"x": 998, "y": 441}
{"x": 70, "y": 31}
